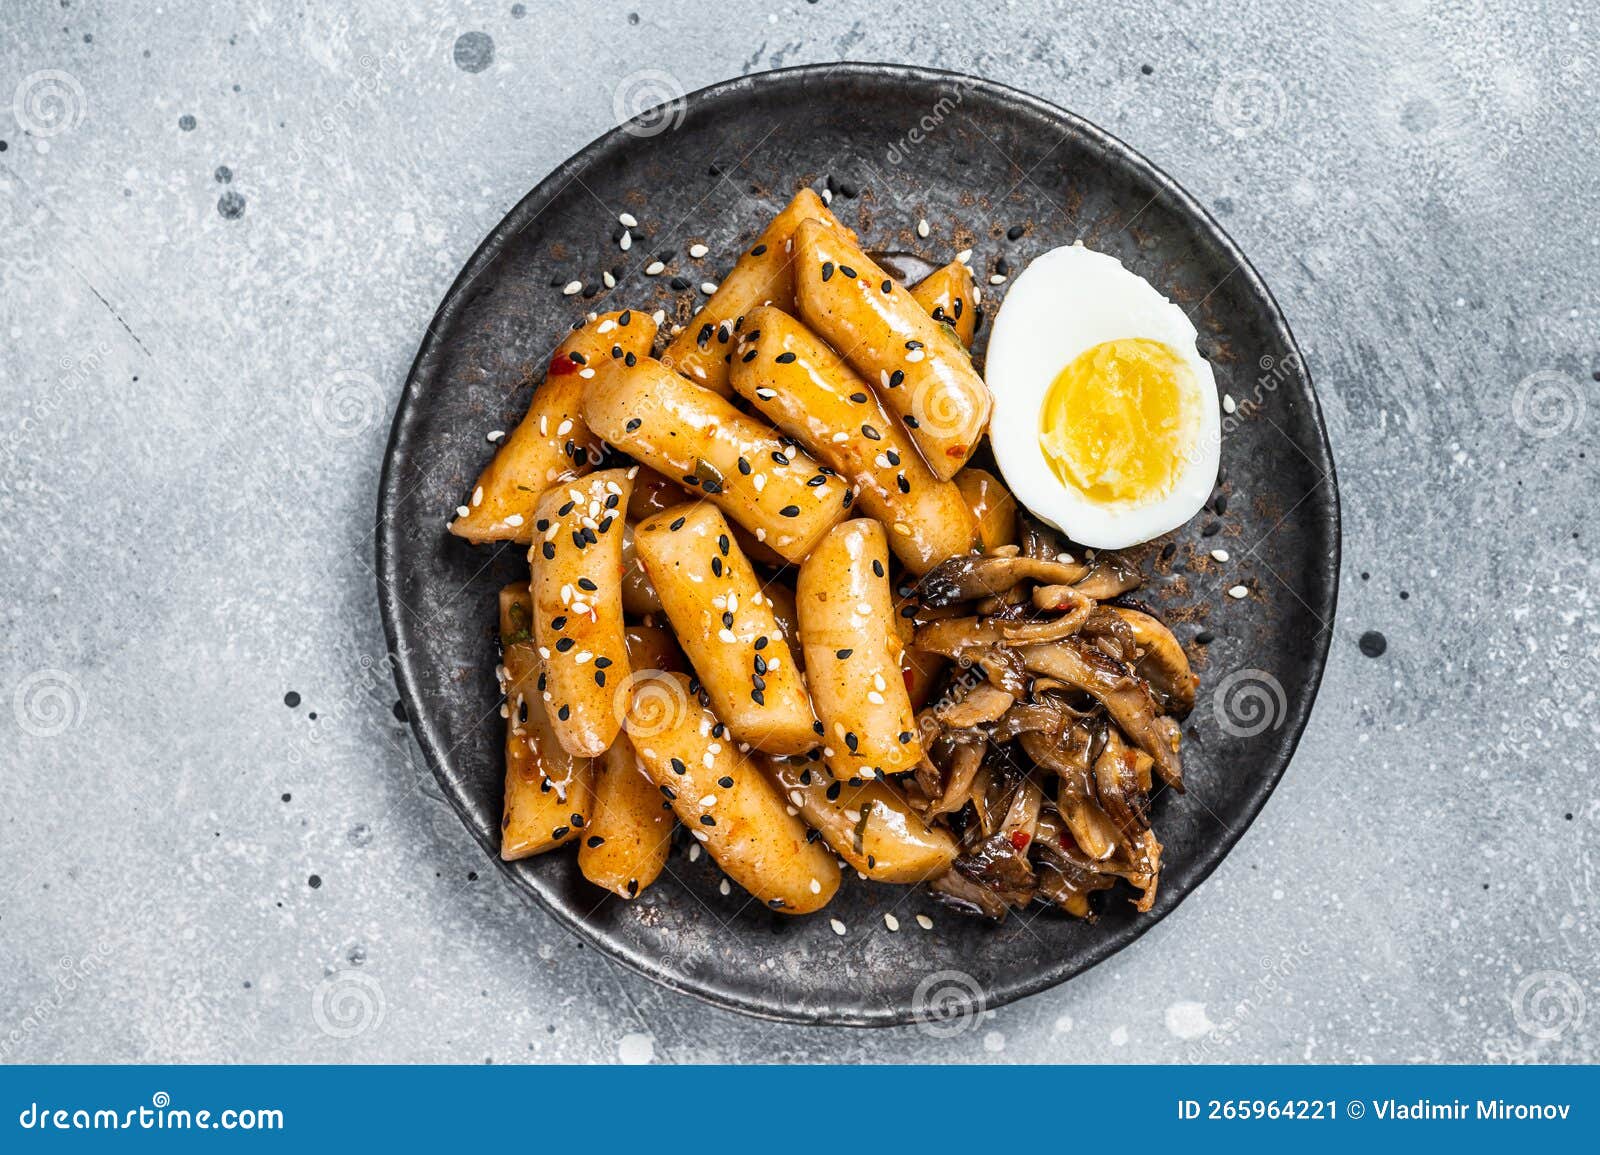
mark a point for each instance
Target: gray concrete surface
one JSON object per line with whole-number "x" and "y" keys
{"x": 195, "y": 871}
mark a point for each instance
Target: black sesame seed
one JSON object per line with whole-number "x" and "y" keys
{"x": 779, "y": 458}
{"x": 578, "y": 539}
{"x": 758, "y": 697}
{"x": 593, "y": 841}
{"x": 877, "y": 568}
{"x": 893, "y": 456}
{"x": 1014, "y": 232}
{"x": 913, "y": 344}
{"x": 723, "y": 543}
{"x": 564, "y": 713}
{"x": 744, "y": 467}
{"x": 911, "y": 422}
{"x": 905, "y": 736}
{"x": 843, "y": 654}
{"x": 707, "y": 820}
{"x": 833, "y": 791}
{"x": 630, "y": 360}
{"x": 564, "y": 645}
{"x": 816, "y": 728}
{"x": 678, "y": 767}
{"x": 758, "y": 681}
{"x": 727, "y": 619}
{"x": 848, "y": 271}
{"x": 905, "y": 486}
{"x": 749, "y": 356}
{"x": 819, "y": 479}
{"x": 758, "y": 250}
{"x": 1221, "y": 504}
{"x": 760, "y": 664}
{"x": 616, "y": 352}
{"x": 627, "y": 315}
{"x": 561, "y": 832}
{"x": 668, "y": 792}
{"x": 859, "y": 398}
{"x": 870, "y": 433}
{"x": 790, "y": 511}
{"x": 1204, "y": 638}
{"x": 784, "y": 358}
{"x": 775, "y": 903}
{"x": 587, "y": 584}
{"x": 761, "y": 642}
{"x": 852, "y": 741}
{"x": 542, "y": 524}
{"x": 1002, "y": 266}
{"x": 677, "y": 524}
{"x": 888, "y": 285}
{"x": 600, "y": 677}
{"x": 897, "y": 378}
{"x": 827, "y": 270}
{"x": 725, "y": 782}
{"x": 716, "y": 567}
{"x": 549, "y": 550}
{"x": 559, "y": 622}
{"x": 633, "y": 888}
{"x": 679, "y": 283}
{"x": 603, "y": 663}
{"x": 564, "y": 510}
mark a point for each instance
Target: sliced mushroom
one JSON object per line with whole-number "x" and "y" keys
{"x": 962, "y": 894}
{"x": 1163, "y": 663}
{"x": 979, "y": 706}
{"x": 961, "y": 579}
{"x": 1125, "y": 698}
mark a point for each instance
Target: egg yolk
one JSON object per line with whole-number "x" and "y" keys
{"x": 1114, "y": 422}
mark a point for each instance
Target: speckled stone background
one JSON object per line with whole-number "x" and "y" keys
{"x": 221, "y": 236}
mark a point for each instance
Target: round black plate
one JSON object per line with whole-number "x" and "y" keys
{"x": 974, "y": 159}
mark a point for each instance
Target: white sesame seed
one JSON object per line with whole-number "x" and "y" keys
{"x": 572, "y": 289}
{"x": 462, "y": 511}
{"x": 977, "y": 294}
{"x": 924, "y": 922}
{"x": 626, "y": 242}
{"x": 699, "y": 835}
{"x": 627, "y": 221}
{"x": 914, "y": 356}
{"x": 891, "y": 921}
{"x": 827, "y": 196}
{"x": 816, "y": 887}
{"x": 494, "y": 435}
{"x": 1239, "y": 592}
{"x": 709, "y": 800}
{"x": 708, "y": 287}
{"x": 694, "y": 853}
{"x": 922, "y": 227}
{"x": 838, "y": 927}
{"x": 586, "y": 373}
{"x": 874, "y": 697}
{"x": 697, "y": 251}
{"x": 1219, "y": 555}
{"x": 561, "y": 431}
{"x": 606, "y": 326}
{"x": 1228, "y": 404}
{"x": 654, "y": 268}
{"x": 964, "y": 256}
{"x": 997, "y": 279}
{"x": 608, "y": 280}
{"x": 477, "y": 497}
{"x": 724, "y": 887}
{"x": 514, "y": 519}
{"x": 659, "y": 316}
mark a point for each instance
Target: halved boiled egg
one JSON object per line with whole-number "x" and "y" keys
{"x": 1105, "y": 415}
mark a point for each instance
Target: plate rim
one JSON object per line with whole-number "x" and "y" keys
{"x": 388, "y": 546}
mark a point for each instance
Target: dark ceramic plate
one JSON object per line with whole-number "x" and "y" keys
{"x": 975, "y": 159}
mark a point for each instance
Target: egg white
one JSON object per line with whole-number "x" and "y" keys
{"x": 1067, "y": 301}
